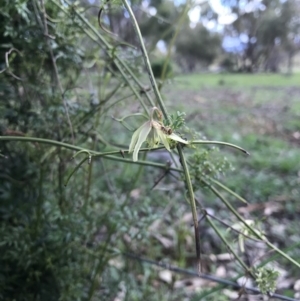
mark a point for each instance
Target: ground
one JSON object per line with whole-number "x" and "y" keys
{"x": 260, "y": 113}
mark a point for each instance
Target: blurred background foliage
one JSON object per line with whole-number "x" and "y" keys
{"x": 65, "y": 78}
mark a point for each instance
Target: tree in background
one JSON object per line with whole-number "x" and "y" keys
{"x": 267, "y": 29}
{"x": 161, "y": 25}
{"x": 291, "y": 41}
{"x": 158, "y": 20}
{"x": 197, "y": 45}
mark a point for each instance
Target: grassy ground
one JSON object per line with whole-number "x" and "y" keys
{"x": 194, "y": 81}
{"x": 260, "y": 113}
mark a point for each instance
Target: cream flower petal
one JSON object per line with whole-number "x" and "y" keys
{"x": 156, "y": 137}
{"x": 177, "y": 138}
{"x": 136, "y": 135}
{"x": 134, "y": 138}
{"x": 157, "y": 134}
{"x": 144, "y": 131}
{"x": 163, "y": 138}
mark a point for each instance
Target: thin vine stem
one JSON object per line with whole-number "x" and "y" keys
{"x": 227, "y": 244}
{"x": 74, "y": 170}
{"x": 146, "y": 59}
{"x": 232, "y": 228}
{"x": 222, "y": 282}
{"x": 255, "y": 233}
{"x": 115, "y": 57}
{"x": 108, "y": 48}
{"x": 185, "y": 170}
{"x": 106, "y": 155}
{"x": 172, "y": 42}
{"x": 192, "y": 204}
{"x": 70, "y": 146}
{"x": 220, "y": 143}
{"x": 179, "y": 148}
{"x": 46, "y": 34}
{"x": 216, "y": 182}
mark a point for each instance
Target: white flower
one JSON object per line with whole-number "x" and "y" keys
{"x": 157, "y": 133}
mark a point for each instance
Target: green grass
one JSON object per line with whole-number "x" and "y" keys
{"x": 259, "y": 112}
{"x": 195, "y": 81}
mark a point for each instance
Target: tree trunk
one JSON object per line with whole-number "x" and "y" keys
{"x": 290, "y": 63}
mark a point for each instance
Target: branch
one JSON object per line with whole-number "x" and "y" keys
{"x": 106, "y": 155}
{"x": 220, "y": 143}
{"x": 46, "y": 33}
{"x": 192, "y": 204}
{"x": 146, "y": 59}
{"x": 223, "y": 282}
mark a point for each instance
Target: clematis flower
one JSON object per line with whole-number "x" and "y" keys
{"x": 154, "y": 132}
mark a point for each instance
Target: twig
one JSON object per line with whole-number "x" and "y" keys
{"x": 220, "y": 143}
{"x": 112, "y": 34}
{"x": 100, "y": 24}
{"x": 172, "y": 42}
{"x": 120, "y": 64}
{"x": 227, "y": 244}
{"x": 206, "y": 213}
{"x": 7, "y": 62}
{"x": 192, "y": 204}
{"x": 146, "y": 59}
{"x": 47, "y": 36}
{"x": 228, "y": 190}
{"x": 232, "y": 228}
{"x": 106, "y": 155}
{"x": 165, "y": 114}
{"x": 222, "y": 281}
{"x": 255, "y": 233}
